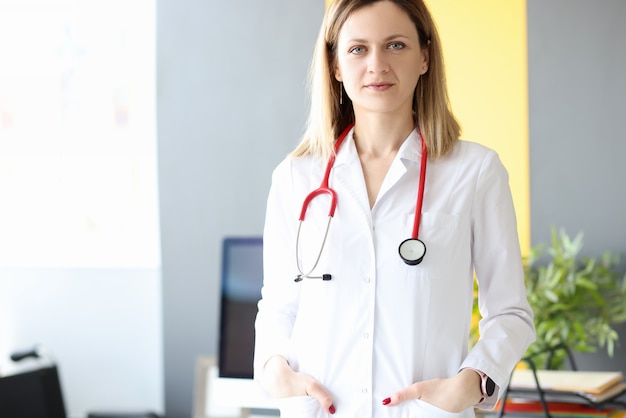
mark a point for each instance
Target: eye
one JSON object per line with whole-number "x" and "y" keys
{"x": 396, "y": 45}
{"x": 357, "y": 50}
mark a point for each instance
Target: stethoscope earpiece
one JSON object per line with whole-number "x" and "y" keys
{"x": 412, "y": 251}
{"x": 324, "y": 277}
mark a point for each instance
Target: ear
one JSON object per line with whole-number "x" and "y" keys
{"x": 338, "y": 76}
{"x": 425, "y": 60}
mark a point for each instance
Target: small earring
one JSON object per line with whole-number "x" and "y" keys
{"x": 340, "y": 93}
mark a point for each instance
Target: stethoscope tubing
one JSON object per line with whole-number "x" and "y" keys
{"x": 323, "y": 189}
{"x": 408, "y": 248}
{"x": 420, "y": 191}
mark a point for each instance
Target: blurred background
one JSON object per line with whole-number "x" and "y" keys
{"x": 135, "y": 135}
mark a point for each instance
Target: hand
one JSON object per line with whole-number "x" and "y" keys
{"x": 453, "y": 394}
{"x": 280, "y": 381}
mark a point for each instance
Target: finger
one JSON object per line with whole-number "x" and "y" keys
{"x": 317, "y": 391}
{"x": 408, "y": 393}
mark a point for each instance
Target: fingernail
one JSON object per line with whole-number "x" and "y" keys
{"x": 331, "y": 409}
{"x": 386, "y": 401}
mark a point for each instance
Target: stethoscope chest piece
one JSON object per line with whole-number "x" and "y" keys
{"x": 412, "y": 251}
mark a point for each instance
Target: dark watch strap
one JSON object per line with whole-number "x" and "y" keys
{"x": 487, "y": 385}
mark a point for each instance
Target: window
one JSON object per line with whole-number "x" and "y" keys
{"x": 78, "y": 182}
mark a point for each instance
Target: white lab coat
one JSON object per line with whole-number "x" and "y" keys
{"x": 380, "y": 325}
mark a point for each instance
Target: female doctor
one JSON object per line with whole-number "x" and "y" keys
{"x": 375, "y": 226}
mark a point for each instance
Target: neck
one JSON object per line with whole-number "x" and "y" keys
{"x": 381, "y": 135}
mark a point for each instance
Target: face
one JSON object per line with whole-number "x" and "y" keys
{"x": 379, "y": 59}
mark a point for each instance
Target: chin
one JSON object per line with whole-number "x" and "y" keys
{"x": 383, "y": 109}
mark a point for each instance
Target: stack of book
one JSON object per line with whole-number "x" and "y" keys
{"x": 567, "y": 394}
{"x": 560, "y": 409}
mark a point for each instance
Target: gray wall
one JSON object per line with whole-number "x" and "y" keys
{"x": 231, "y": 103}
{"x": 577, "y": 63}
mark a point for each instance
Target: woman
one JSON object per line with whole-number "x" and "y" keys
{"x": 367, "y": 329}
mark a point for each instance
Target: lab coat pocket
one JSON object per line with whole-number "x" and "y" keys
{"x": 438, "y": 227}
{"x": 300, "y": 407}
{"x": 421, "y": 409}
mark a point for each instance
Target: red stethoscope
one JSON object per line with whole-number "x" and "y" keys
{"x": 411, "y": 250}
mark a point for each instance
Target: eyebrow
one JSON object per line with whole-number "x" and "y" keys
{"x": 387, "y": 39}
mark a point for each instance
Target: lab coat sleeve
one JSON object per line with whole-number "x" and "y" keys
{"x": 279, "y": 302}
{"x": 506, "y": 327}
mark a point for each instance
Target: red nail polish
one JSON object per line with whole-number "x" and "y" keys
{"x": 331, "y": 409}
{"x": 386, "y": 401}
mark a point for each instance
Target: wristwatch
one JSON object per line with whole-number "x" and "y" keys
{"x": 487, "y": 386}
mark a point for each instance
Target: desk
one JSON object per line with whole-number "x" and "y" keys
{"x": 570, "y": 393}
{"x": 217, "y": 397}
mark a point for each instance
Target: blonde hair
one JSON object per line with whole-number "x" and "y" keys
{"x": 328, "y": 118}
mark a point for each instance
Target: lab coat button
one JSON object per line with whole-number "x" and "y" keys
{"x": 364, "y": 390}
{"x": 367, "y": 280}
{"x": 366, "y": 335}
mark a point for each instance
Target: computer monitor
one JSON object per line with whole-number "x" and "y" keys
{"x": 242, "y": 279}
{"x": 32, "y": 394}
{"x": 232, "y": 384}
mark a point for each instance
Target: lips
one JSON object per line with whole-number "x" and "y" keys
{"x": 378, "y": 86}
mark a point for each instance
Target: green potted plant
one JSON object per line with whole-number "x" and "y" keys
{"x": 577, "y": 301}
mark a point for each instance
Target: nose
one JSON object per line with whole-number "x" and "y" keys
{"x": 377, "y": 62}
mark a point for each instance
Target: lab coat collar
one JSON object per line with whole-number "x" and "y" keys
{"x": 409, "y": 154}
{"x": 411, "y": 149}
{"x": 347, "y": 152}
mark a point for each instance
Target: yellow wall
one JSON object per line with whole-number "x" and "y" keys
{"x": 484, "y": 43}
